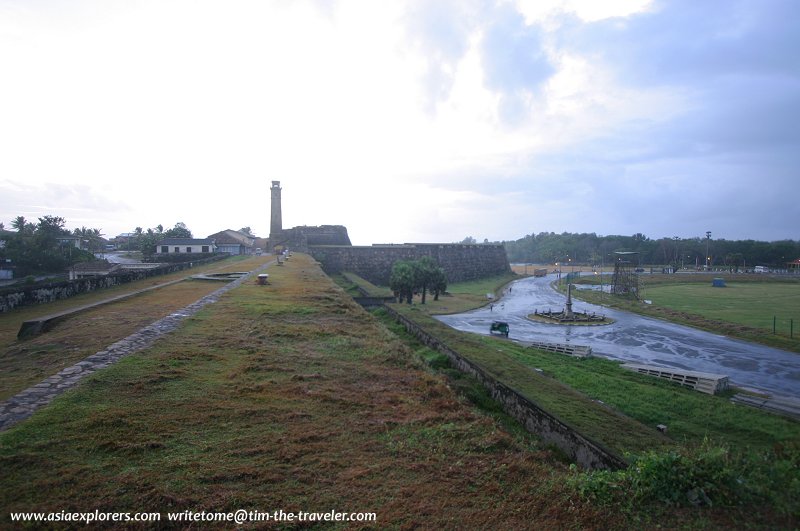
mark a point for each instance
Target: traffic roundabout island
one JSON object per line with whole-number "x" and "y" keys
{"x": 569, "y": 318}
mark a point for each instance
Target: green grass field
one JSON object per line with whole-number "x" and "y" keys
{"x": 744, "y": 309}
{"x": 749, "y": 304}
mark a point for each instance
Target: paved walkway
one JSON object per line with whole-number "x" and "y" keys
{"x": 26, "y": 403}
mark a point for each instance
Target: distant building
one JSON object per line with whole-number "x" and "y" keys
{"x": 234, "y": 242}
{"x": 794, "y": 265}
{"x": 124, "y": 240}
{"x": 75, "y": 241}
{"x": 97, "y": 268}
{"x": 185, "y": 245}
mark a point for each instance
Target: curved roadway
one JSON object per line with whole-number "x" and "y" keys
{"x": 637, "y": 339}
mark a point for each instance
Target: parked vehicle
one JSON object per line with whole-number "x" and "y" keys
{"x": 499, "y": 327}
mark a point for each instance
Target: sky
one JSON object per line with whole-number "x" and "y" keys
{"x": 405, "y": 121}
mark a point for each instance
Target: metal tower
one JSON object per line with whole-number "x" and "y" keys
{"x": 625, "y": 280}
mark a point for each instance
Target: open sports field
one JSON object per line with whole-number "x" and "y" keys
{"x": 752, "y": 304}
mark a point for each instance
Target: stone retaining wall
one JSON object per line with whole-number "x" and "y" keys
{"x": 374, "y": 263}
{"x": 16, "y": 296}
{"x": 585, "y": 452}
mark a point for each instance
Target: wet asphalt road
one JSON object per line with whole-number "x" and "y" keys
{"x": 637, "y": 339}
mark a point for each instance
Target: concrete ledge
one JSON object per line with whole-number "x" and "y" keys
{"x": 699, "y": 381}
{"x": 784, "y": 406}
{"x": 577, "y": 351}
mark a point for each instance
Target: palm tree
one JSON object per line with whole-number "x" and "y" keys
{"x": 438, "y": 282}
{"x": 424, "y": 270}
{"x": 402, "y": 281}
{"x": 19, "y": 223}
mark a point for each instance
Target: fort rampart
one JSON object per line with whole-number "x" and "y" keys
{"x": 461, "y": 262}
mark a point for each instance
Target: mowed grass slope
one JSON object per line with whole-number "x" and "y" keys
{"x": 287, "y": 396}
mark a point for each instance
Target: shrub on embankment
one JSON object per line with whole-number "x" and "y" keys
{"x": 704, "y": 475}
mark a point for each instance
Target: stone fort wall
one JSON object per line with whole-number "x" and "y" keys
{"x": 461, "y": 262}
{"x": 301, "y": 238}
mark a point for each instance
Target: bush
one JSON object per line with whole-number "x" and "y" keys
{"x": 701, "y": 476}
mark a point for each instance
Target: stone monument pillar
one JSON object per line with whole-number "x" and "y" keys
{"x": 568, "y": 311}
{"x": 276, "y": 223}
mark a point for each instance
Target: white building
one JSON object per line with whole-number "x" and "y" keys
{"x": 185, "y": 245}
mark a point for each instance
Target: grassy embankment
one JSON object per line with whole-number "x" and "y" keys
{"x": 713, "y": 442}
{"x": 27, "y": 362}
{"x": 287, "y": 396}
{"x": 744, "y": 309}
{"x": 690, "y": 416}
{"x": 727, "y": 448}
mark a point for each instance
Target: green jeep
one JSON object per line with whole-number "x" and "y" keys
{"x": 499, "y": 327}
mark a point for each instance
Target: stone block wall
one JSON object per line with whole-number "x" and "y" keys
{"x": 300, "y": 238}
{"x": 374, "y": 263}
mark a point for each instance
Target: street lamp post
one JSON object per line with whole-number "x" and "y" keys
{"x": 677, "y": 253}
{"x": 708, "y": 239}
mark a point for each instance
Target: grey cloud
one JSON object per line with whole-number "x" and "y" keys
{"x": 441, "y": 30}
{"x": 511, "y": 52}
{"x": 683, "y": 41}
{"x": 513, "y": 57}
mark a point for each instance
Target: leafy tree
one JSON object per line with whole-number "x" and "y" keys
{"x": 38, "y": 249}
{"x": 92, "y": 236}
{"x": 248, "y": 231}
{"x": 148, "y": 242}
{"x": 180, "y": 230}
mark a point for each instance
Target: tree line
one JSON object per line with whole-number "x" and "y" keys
{"x": 46, "y": 246}
{"x": 549, "y": 247}
{"x": 417, "y": 276}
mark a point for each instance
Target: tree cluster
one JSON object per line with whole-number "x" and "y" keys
{"x": 417, "y": 276}
{"x": 548, "y": 248}
{"x": 39, "y": 247}
{"x": 147, "y": 241}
